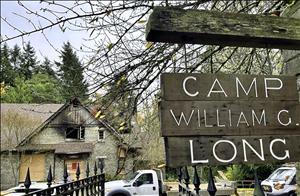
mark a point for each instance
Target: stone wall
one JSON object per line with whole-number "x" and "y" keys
{"x": 106, "y": 149}
{"x": 9, "y": 169}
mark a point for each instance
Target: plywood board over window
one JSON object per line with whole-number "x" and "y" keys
{"x": 72, "y": 168}
{"x": 36, "y": 164}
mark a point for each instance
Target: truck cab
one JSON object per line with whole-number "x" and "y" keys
{"x": 142, "y": 182}
{"x": 281, "y": 182}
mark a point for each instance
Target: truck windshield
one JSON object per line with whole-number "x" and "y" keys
{"x": 281, "y": 175}
{"x": 132, "y": 176}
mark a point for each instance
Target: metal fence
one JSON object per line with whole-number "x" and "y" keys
{"x": 89, "y": 186}
{"x": 184, "y": 184}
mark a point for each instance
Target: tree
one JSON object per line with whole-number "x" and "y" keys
{"x": 46, "y": 68}
{"x": 41, "y": 88}
{"x": 28, "y": 62}
{"x": 153, "y": 144}
{"x": 7, "y": 71}
{"x": 71, "y": 74}
{"x": 15, "y": 57}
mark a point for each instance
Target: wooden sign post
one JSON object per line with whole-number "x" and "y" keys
{"x": 175, "y": 25}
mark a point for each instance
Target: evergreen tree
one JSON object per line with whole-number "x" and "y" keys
{"x": 28, "y": 62}
{"x": 71, "y": 73}
{"x": 15, "y": 57}
{"x": 45, "y": 68}
{"x": 7, "y": 71}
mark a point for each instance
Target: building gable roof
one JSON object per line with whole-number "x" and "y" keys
{"x": 46, "y": 113}
{"x": 74, "y": 101}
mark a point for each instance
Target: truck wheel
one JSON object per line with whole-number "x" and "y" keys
{"x": 119, "y": 193}
{"x": 292, "y": 194}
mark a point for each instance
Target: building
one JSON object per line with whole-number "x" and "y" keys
{"x": 62, "y": 134}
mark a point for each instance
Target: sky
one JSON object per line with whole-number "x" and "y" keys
{"x": 56, "y": 37}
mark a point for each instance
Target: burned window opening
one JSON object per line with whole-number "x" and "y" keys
{"x": 75, "y": 133}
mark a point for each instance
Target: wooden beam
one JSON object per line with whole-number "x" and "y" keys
{"x": 174, "y": 25}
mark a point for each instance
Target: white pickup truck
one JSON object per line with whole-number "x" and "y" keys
{"x": 142, "y": 182}
{"x": 281, "y": 182}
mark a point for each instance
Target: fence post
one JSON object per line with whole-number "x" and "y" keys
{"x": 95, "y": 168}
{"x": 27, "y": 182}
{"x": 101, "y": 165}
{"x": 65, "y": 176}
{"x": 179, "y": 174}
{"x": 49, "y": 177}
{"x": 186, "y": 177}
{"x": 87, "y": 171}
{"x": 49, "y": 180}
{"x": 211, "y": 188}
{"x": 77, "y": 172}
{"x": 257, "y": 187}
{"x": 196, "y": 180}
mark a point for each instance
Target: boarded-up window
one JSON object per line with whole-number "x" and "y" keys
{"x": 36, "y": 164}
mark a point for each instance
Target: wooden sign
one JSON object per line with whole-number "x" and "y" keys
{"x": 182, "y": 151}
{"x": 188, "y": 118}
{"x": 225, "y": 87}
{"x": 233, "y": 118}
{"x": 176, "y": 25}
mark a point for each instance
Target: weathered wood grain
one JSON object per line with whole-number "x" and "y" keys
{"x": 172, "y": 87}
{"x": 175, "y": 25}
{"x": 229, "y": 118}
{"x": 178, "y": 150}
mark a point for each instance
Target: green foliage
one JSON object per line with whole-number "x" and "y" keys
{"x": 238, "y": 172}
{"x": 71, "y": 74}
{"x": 17, "y": 94}
{"x": 46, "y": 68}
{"x": 7, "y": 71}
{"x": 24, "y": 80}
{"x": 40, "y": 89}
{"x": 246, "y": 172}
{"x": 28, "y": 62}
{"x": 15, "y": 56}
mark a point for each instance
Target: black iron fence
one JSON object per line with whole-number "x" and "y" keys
{"x": 184, "y": 182}
{"x": 89, "y": 186}
{"x": 185, "y": 189}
